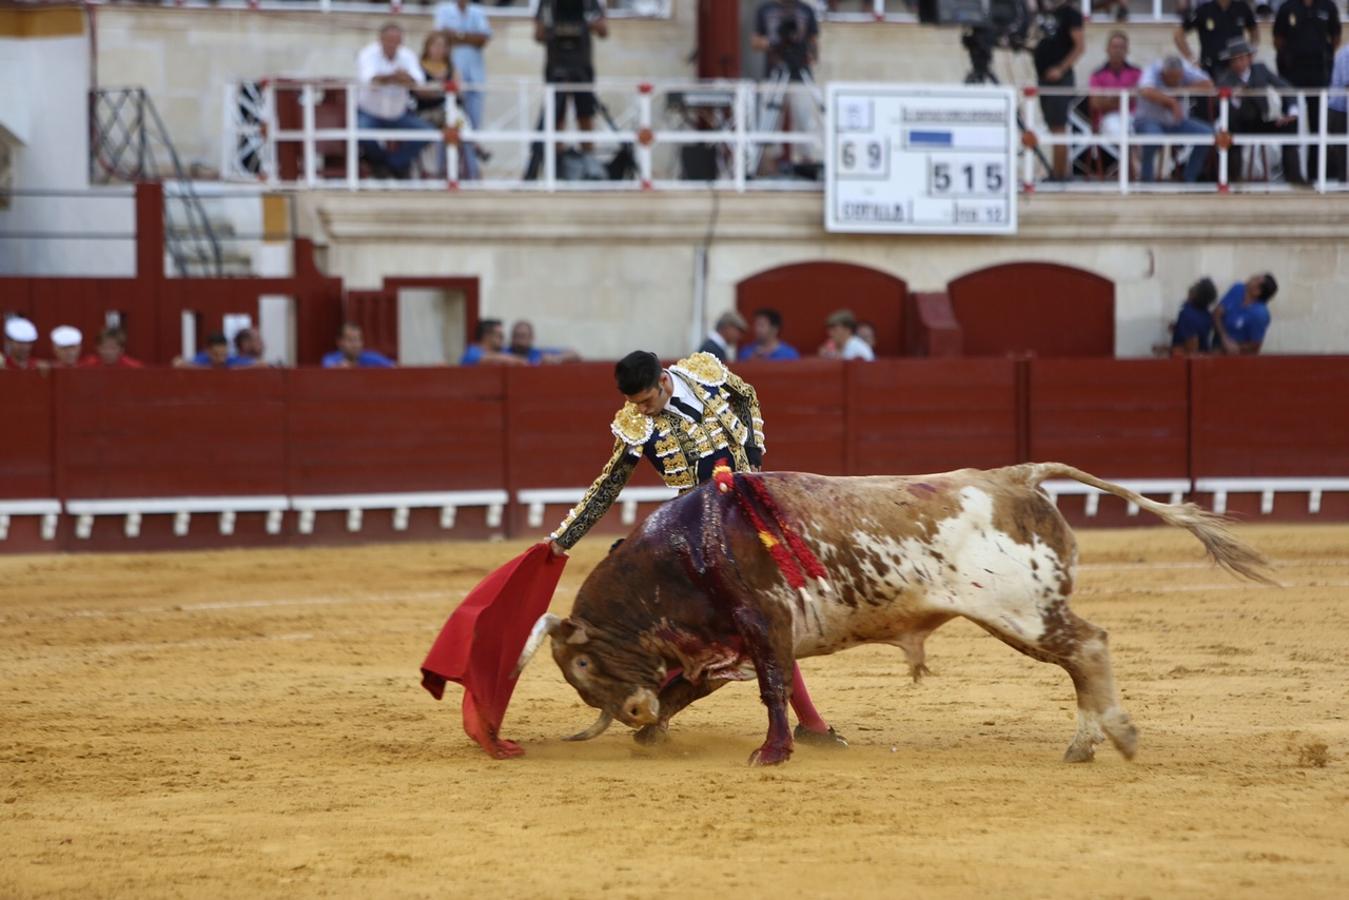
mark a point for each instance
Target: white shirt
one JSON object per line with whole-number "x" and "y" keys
{"x": 856, "y": 348}
{"x": 386, "y": 101}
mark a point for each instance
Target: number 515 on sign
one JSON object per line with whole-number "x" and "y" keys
{"x": 965, "y": 175}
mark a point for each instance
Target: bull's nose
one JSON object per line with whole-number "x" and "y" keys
{"x": 642, "y": 708}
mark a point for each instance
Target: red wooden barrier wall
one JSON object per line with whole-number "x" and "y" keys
{"x": 26, "y": 462}
{"x": 88, "y": 434}
{"x": 916, "y": 415}
{"x": 166, "y": 433}
{"x": 1115, "y": 418}
{"x": 1270, "y": 416}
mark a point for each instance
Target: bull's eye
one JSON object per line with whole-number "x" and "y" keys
{"x": 583, "y": 663}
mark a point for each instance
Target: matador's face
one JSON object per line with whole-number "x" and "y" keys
{"x": 653, "y": 399}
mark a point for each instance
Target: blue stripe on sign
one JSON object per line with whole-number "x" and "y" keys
{"x": 938, "y": 138}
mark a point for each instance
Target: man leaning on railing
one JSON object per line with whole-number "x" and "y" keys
{"x": 386, "y": 71}
{"x": 1163, "y": 108}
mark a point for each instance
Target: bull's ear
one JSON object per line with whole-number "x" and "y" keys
{"x": 572, "y": 631}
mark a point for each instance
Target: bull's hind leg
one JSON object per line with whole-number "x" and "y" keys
{"x": 1060, "y": 636}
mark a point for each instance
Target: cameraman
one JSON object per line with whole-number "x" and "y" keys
{"x": 1061, "y": 44}
{"x": 788, "y": 35}
{"x": 564, "y": 28}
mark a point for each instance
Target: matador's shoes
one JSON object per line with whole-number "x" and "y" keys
{"x": 830, "y": 738}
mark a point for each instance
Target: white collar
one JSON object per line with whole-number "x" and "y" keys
{"x": 715, "y": 337}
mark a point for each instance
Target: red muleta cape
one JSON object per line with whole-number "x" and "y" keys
{"x": 482, "y": 641}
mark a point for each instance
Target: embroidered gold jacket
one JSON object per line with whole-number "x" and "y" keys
{"x": 684, "y": 449}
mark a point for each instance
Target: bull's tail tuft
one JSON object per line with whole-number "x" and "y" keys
{"x": 1211, "y": 530}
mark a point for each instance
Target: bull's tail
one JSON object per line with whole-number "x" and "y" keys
{"x": 1211, "y": 530}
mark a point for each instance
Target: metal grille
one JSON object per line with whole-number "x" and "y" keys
{"x": 129, "y": 143}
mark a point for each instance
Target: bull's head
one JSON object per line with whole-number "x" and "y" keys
{"x": 612, "y": 673}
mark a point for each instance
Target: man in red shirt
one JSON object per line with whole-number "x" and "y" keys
{"x": 111, "y": 352}
{"x": 20, "y": 335}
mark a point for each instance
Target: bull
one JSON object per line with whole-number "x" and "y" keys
{"x": 693, "y": 599}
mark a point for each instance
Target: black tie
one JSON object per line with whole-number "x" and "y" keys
{"x": 688, "y": 409}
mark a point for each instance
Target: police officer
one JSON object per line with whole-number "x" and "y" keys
{"x": 1217, "y": 22}
{"x": 1306, "y": 33}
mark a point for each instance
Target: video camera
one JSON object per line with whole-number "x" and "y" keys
{"x": 567, "y": 33}
{"x": 1007, "y": 22}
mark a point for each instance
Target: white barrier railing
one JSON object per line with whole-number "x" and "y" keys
{"x": 519, "y": 9}
{"x": 650, "y": 135}
{"x": 1080, "y": 138}
{"x": 643, "y": 125}
{"x": 907, "y": 10}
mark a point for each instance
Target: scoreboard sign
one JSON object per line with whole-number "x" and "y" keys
{"x": 920, "y": 159}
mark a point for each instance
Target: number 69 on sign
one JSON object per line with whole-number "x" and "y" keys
{"x": 965, "y": 175}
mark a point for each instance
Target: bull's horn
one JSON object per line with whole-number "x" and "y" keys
{"x": 546, "y": 625}
{"x": 601, "y": 725}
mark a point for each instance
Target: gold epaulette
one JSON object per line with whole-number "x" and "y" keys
{"x": 631, "y": 426}
{"x": 703, "y": 368}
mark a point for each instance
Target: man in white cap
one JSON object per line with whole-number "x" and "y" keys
{"x": 66, "y": 341}
{"x": 20, "y": 335}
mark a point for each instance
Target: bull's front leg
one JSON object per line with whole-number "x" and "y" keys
{"x": 673, "y": 698}
{"x": 768, "y": 644}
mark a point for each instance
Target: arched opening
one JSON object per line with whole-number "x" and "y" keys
{"x": 806, "y": 293}
{"x": 1045, "y": 309}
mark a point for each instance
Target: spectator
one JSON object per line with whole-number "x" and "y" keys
{"x": 351, "y": 352}
{"x": 843, "y": 341}
{"x": 469, "y": 31}
{"x": 1218, "y": 22}
{"x": 430, "y": 100}
{"x": 522, "y": 346}
{"x": 725, "y": 336}
{"x": 20, "y": 336}
{"x": 1115, "y": 74}
{"x": 1163, "y": 108}
{"x": 788, "y": 35}
{"x": 215, "y": 356}
{"x": 488, "y": 347}
{"x": 867, "y": 332}
{"x": 1194, "y": 323}
{"x": 1062, "y": 41}
{"x": 1253, "y": 113}
{"x": 767, "y": 327}
{"x": 110, "y": 352}
{"x": 1337, "y": 119}
{"x": 386, "y": 71}
{"x": 565, "y": 27}
{"x": 1306, "y": 33}
{"x": 66, "y": 341}
{"x": 248, "y": 348}
{"x": 1243, "y": 314}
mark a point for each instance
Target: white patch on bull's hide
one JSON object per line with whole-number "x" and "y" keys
{"x": 968, "y": 568}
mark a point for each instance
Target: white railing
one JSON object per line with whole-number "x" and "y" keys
{"x": 739, "y": 132}
{"x": 1263, "y": 168}
{"x": 519, "y": 9}
{"x": 907, "y": 10}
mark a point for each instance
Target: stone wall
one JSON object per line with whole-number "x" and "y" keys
{"x": 604, "y": 272}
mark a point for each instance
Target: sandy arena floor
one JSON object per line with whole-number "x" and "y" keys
{"x": 250, "y": 723}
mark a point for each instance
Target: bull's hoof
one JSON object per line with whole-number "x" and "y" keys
{"x": 771, "y": 755}
{"x": 1080, "y": 752}
{"x": 1121, "y": 731}
{"x": 830, "y": 739}
{"x": 651, "y": 735}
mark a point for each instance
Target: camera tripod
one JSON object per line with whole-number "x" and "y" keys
{"x": 779, "y": 83}
{"x": 979, "y": 43}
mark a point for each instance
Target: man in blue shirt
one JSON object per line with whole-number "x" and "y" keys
{"x": 488, "y": 347}
{"x": 1194, "y": 323}
{"x": 1243, "y": 314}
{"x": 522, "y": 346}
{"x": 467, "y": 31}
{"x": 351, "y": 352}
{"x": 767, "y": 327}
